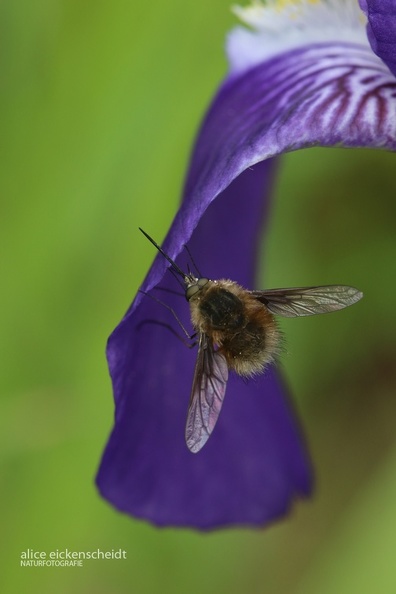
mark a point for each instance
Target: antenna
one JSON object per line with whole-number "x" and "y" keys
{"x": 173, "y": 264}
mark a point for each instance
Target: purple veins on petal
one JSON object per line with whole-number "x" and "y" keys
{"x": 324, "y": 95}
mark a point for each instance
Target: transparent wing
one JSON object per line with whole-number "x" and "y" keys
{"x": 307, "y": 301}
{"x": 207, "y": 394}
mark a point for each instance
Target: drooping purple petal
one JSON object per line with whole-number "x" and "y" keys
{"x": 254, "y": 464}
{"x": 381, "y": 29}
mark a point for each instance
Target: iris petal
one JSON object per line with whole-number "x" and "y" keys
{"x": 381, "y": 29}
{"x": 255, "y": 463}
{"x": 327, "y": 95}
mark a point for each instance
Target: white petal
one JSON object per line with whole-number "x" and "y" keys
{"x": 281, "y": 25}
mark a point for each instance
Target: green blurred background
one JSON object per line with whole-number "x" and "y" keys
{"x": 100, "y": 102}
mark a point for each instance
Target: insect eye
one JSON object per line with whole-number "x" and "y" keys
{"x": 191, "y": 291}
{"x": 194, "y": 289}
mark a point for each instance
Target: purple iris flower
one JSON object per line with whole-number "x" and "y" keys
{"x": 305, "y": 73}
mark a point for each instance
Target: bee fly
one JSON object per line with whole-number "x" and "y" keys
{"x": 236, "y": 330}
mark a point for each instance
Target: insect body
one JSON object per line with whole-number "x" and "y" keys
{"x": 237, "y": 330}
{"x": 244, "y": 331}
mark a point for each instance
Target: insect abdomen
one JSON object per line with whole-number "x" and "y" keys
{"x": 249, "y": 351}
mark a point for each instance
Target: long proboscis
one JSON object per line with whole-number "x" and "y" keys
{"x": 173, "y": 264}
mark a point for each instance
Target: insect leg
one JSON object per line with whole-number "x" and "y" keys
{"x": 189, "y": 336}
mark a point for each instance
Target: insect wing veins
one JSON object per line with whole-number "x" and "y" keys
{"x": 307, "y": 301}
{"x": 207, "y": 394}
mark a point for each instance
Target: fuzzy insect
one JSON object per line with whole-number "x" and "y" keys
{"x": 236, "y": 330}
